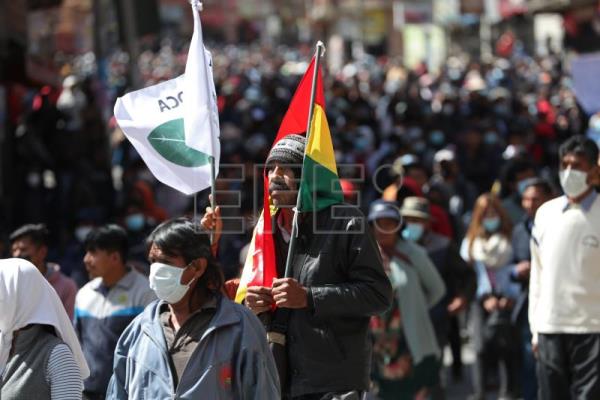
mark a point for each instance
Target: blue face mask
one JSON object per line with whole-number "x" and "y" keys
{"x": 419, "y": 147}
{"x": 413, "y": 232}
{"x": 490, "y": 138}
{"x": 135, "y": 222}
{"x": 437, "y": 138}
{"x": 491, "y": 225}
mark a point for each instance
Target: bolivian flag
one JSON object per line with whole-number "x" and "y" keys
{"x": 319, "y": 186}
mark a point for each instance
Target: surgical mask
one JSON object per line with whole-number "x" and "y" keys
{"x": 165, "y": 280}
{"x": 492, "y": 224}
{"x": 448, "y": 109}
{"x": 490, "y": 138}
{"x": 419, "y": 147}
{"x": 502, "y": 109}
{"x": 595, "y": 123}
{"x": 413, "y": 232}
{"x": 437, "y": 138}
{"x": 573, "y": 182}
{"x": 522, "y": 185}
{"x": 135, "y": 222}
{"x": 81, "y": 232}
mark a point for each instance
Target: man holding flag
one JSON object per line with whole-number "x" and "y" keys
{"x": 333, "y": 280}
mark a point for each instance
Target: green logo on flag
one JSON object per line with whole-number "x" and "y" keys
{"x": 168, "y": 140}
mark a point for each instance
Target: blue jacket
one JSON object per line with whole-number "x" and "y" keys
{"x": 232, "y": 360}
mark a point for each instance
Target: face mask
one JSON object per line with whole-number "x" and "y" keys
{"x": 419, "y": 147}
{"x": 522, "y": 185}
{"x": 165, "y": 280}
{"x": 573, "y": 182}
{"x": 502, "y": 109}
{"x": 491, "y": 225}
{"x": 448, "y": 110}
{"x": 490, "y": 138}
{"x": 413, "y": 232}
{"x": 81, "y": 232}
{"x": 436, "y": 138}
{"x": 135, "y": 222}
{"x": 595, "y": 123}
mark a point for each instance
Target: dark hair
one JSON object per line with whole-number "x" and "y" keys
{"x": 580, "y": 145}
{"x": 180, "y": 237}
{"x": 515, "y": 167}
{"x": 37, "y": 233}
{"x": 541, "y": 184}
{"x": 109, "y": 237}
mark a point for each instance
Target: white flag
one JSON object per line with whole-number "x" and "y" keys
{"x": 156, "y": 121}
{"x": 201, "y": 113}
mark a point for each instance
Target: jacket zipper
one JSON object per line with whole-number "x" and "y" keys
{"x": 203, "y": 339}
{"x": 166, "y": 358}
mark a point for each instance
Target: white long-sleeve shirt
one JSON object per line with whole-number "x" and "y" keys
{"x": 564, "y": 288}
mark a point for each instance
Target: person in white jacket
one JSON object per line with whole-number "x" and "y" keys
{"x": 564, "y": 294}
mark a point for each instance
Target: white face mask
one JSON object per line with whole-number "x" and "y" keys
{"x": 573, "y": 182}
{"x": 81, "y": 232}
{"x": 165, "y": 280}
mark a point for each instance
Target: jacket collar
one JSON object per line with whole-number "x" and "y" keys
{"x": 586, "y": 203}
{"x": 226, "y": 315}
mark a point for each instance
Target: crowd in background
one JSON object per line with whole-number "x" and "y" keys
{"x": 471, "y": 139}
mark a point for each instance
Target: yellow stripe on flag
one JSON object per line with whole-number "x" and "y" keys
{"x": 320, "y": 146}
{"x": 247, "y": 273}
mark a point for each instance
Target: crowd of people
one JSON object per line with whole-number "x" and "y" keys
{"x": 449, "y": 169}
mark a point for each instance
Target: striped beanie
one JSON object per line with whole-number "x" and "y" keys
{"x": 289, "y": 150}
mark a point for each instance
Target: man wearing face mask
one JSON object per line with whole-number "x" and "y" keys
{"x": 107, "y": 304}
{"x": 30, "y": 242}
{"x": 458, "y": 276}
{"x": 193, "y": 343}
{"x": 564, "y": 299}
{"x": 337, "y": 283}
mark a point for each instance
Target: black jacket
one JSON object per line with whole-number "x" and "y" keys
{"x": 337, "y": 259}
{"x": 459, "y": 277}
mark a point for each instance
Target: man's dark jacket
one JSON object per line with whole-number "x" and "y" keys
{"x": 337, "y": 259}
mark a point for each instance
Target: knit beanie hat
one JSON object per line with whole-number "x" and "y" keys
{"x": 289, "y": 150}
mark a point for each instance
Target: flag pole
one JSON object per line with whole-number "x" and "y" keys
{"x": 195, "y": 215}
{"x": 292, "y": 247}
{"x": 213, "y": 201}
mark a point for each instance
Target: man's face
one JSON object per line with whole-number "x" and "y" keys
{"x": 575, "y": 161}
{"x": 282, "y": 185}
{"x": 386, "y": 231}
{"x": 156, "y": 255}
{"x": 100, "y": 263}
{"x": 533, "y": 197}
{"x": 25, "y": 248}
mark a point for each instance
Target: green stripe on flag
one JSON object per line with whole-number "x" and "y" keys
{"x": 320, "y": 187}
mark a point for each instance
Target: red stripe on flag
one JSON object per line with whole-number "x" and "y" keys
{"x": 296, "y": 117}
{"x": 264, "y": 246}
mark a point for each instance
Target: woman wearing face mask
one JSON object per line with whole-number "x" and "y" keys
{"x": 192, "y": 342}
{"x": 487, "y": 247}
{"x": 406, "y": 352}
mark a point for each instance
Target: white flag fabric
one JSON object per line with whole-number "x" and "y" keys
{"x": 161, "y": 120}
{"x": 202, "y": 116}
